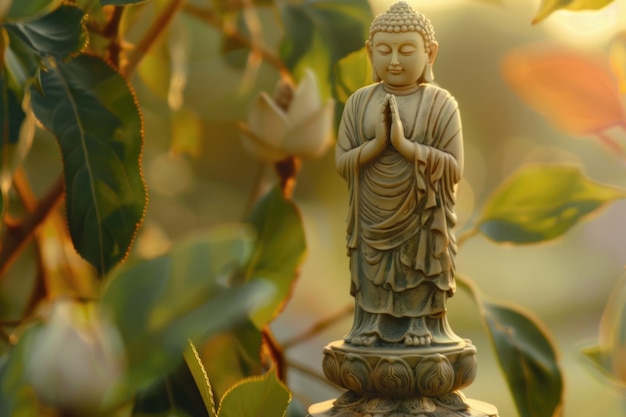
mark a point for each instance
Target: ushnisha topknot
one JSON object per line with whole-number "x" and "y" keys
{"x": 402, "y": 18}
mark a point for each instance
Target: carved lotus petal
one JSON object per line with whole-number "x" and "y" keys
{"x": 465, "y": 367}
{"x": 331, "y": 367}
{"x": 378, "y": 406}
{"x": 356, "y": 373}
{"x": 417, "y": 405}
{"x": 393, "y": 377}
{"x": 452, "y": 401}
{"x": 434, "y": 375}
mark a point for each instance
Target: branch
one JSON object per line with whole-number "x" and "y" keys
{"x": 464, "y": 236}
{"x": 215, "y": 21}
{"x": 17, "y": 236}
{"x": 310, "y": 372}
{"x": 276, "y": 353}
{"x": 151, "y": 35}
{"x": 111, "y": 32}
{"x": 318, "y": 327}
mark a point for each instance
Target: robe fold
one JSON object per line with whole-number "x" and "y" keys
{"x": 400, "y": 220}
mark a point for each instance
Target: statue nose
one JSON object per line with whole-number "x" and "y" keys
{"x": 394, "y": 58}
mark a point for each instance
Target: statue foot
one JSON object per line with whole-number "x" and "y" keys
{"x": 415, "y": 340}
{"x": 365, "y": 340}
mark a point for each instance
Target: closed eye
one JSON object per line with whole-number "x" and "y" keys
{"x": 383, "y": 49}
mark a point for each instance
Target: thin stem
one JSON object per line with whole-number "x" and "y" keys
{"x": 16, "y": 237}
{"x": 215, "y": 21}
{"x": 5, "y": 336}
{"x": 287, "y": 170}
{"x": 276, "y": 352}
{"x": 170, "y": 395}
{"x": 25, "y": 192}
{"x": 111, "y": 32}
{"x": 610, "y": 143}
{"x": 150, "y": 37}
{"x": 319, "y": 327}
{"x": 470, "y": 287}
{"x": 310, "y": 372}
{"x": 460, "y": 240}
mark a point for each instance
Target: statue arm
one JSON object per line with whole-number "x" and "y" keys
{"x": 450, "y": 155}
{"x": 367, "y": 151}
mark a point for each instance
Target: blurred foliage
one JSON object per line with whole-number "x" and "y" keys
{"x": 526, "y": 355}
{"x": 540, "y": 203}
{"x": 193, "y": 316}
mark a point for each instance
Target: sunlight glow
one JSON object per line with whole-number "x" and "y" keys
{"x": 585, "y": 28}
{"x": 422, "y": 6}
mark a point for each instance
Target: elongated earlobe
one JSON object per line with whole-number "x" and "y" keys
{"x": 368, "y": 50}
{"x": 428, "y": 76}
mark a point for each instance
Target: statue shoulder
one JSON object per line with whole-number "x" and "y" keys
{"x": 362, "y": 94}
{"x": 440, "y": 94}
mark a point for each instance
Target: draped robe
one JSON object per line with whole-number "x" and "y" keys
{"x": 400, "y": 220}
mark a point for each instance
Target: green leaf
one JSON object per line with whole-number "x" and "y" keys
{"x": 229, "y": 6}
{"x": 281, "y": 247}
{"x": 11, "y": 113}
{"x": 526, "y": 355}
{"x": 351, "y": 73}
{"x": 341, "y": 27}
{"x": 540, "y": 203}
{"x": 60, "y": 34}
{"x": 609, "y": 357}
{"x": 263, "y": 396}
{"x": 22, "y": 10}
{"x": 186, "y": 132}
{"x": 193, "y": 361}
{"x": 22, "y": 62}
{"x": 601, "y": 360}
{"x": 17, "y": 125}
{"x": 547, "y": 7}
{"x": 527, "y": 359}
{"x": 175, "y": 395}
{"x": 93, "y": 113}
{"x": 160, "y": 304}
{"x": 17, "y": 399}
{"x": 239, "y": 352}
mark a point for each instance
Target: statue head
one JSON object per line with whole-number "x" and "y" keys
{"x": 402, "y": 46}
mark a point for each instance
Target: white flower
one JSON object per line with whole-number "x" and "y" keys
{"x": 76, "y": 359}
{"x": 303, "y": 130}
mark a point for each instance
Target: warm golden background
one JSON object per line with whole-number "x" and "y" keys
{"x": 564, "y": 283}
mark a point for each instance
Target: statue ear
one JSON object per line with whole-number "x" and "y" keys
{"x": 368, "y": 49}
{"x": 428, "y": 75}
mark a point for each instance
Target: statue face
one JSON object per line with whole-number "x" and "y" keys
{"x": 399, "y": 58}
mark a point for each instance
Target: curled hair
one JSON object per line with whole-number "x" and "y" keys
{"x": 402, "y": 18}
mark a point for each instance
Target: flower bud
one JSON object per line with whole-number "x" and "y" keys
{"x": 76, "y": 359}
{"x": 289, "y": 126}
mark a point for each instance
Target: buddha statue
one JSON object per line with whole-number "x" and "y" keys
{"x": 400, "y": 150}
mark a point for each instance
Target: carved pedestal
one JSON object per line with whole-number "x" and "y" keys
{"x": 400, "y": 381}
